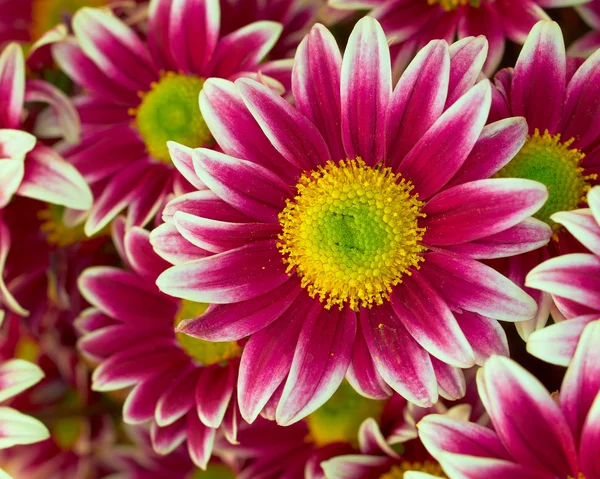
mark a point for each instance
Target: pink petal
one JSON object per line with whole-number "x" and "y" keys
{"x": 485, "y": 335}
{"x": 182, "y": 159}
{"x": 214, "y": 391}
{"x": 583, "y": 225}
{"x": 174, "y": 248}
{"x": 141, "y": 256}
{"x": 179, "y": 397}
{"x": 12, "y": 86}
{"x": 450, "y": 379}
{"x": 467, "y": 57}
{"x": 200, "y": 439}
{"x": 166, "y": 439}
{"x": 141, "y": 401}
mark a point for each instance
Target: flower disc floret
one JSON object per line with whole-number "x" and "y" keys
{"x": 429, "y": 467}
{"x": 351, "y": 233}
{"x": 450, "y": 5}
{"x": 547, "y": 159}
{"x": 170, "y": 112}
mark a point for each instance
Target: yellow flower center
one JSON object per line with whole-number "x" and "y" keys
{"x": 351, "y": 233}
{"x": 213, "y": 471}
{"x": 339, "y": 419}
{"x": 58, "y": 233}
{"x": 450, "y": 5}
{"x": 545, "y": 158}
{"x": 397, "y": 471}
{"x": 205, "y": 352}
{"x": 46, "y": 14}
{"x": 28, "y": 349}
{"x": 170, "y": 112}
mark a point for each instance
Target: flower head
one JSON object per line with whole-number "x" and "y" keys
{"x": 342, "y": 235}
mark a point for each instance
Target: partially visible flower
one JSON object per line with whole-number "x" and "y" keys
{"x": 184, "y": 386}
{"x": 411, "y": 24}
{"x": 561, "y": 103}
{"x": 340, "y": 234}
{"x": 28, "y": 168}
{"x": 536, "y": 435}
{"x": 589, "y": 43}
{"x": 574, "y": 282}
{"x": 142, "y": 92}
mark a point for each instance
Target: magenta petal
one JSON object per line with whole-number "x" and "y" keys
{"x": 583, "y": 225}
{"x": 467, "y": 57}
{"x": 291, "y": 133}
{"x": 470, "y": 285}
{"x": 193, "y": 33}
{"x": 182, "y": 159}
{"x": 200, "y": 440}
{"x": 320, "y": 362}
{"x": 174, "y": 248}
{"x": 159, "y": 12}
{"x": 166, "y": 439}
{"x": 418, "y": 100}
{"x": 450, "y": 379}
{"x": 581, "y": 384}
{"x": 485, "y": 335}
{"x": 590, "y": 442}
{"x": 214, "y": 392}
{"x": 205, "y": 204}
{"x": 268, "y": 356}
{"x": 399, "y": 359}
{"x": 179, "y": 397}
{"x": 126, "y": 297}
{"x": 480, "y": 208}
{"x": 141, "y": 401}
{"x": 363, "y": 375}
{"x": 12, "y": 86}
{"x": 366, "y": 88}
{"x": 232, "y": 322}
{"x": 448, "y": 142}
{"x": 6, "y": 298}
{"x": 428, "y": 319}
{"x": 236, "y": 275}
{"x": 316, "y": 86}
{"x": 248, "y": 187}
{"x": 539, "y": 82}
{"x": 372, "y": 441}
{"x": 468, "y": 467}
{"x": 106, "y": 341}
{"x": 522, "y": 411}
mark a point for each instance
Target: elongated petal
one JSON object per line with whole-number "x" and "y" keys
{"x": 522, "y": 411}
{"x": 320, "y": 362}
{"x": 485, "y": 335}
{"x": 590, "y": 441}
{"x": 12, "y": 86}
{"x": 470, "y": 285}
{"x": 174, "y": 248}
{"x": 539, "y": 83}
{"x": 178, "y": 398}
{"x": 214, "y": 392}
{"x": 141, "y": 401}
{"x": 467, "y": 57}
{"x": 182, "y": 159}
{"x": 481, "y": 208}
{"x": 6, "y": 297}
{"x": 17, "y": 375}
{"x": 141, "y": 256}
{"x": 468, "y": 467}
{"x": 200, "y": 440}
{"x": 166, "y": 439}
{"x": 18, "y": 428}
{"x": 583, "y": 225}
{"x": 230, "y": 277}
{"x": 366, "y": 88}
{"x": 448, "y": 143}
{"x": 451, "y": 380}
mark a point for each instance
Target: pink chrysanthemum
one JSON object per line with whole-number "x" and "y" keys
{"x": 185, "y": 386}
{"x": 28, "y": 168}
{"x": 413, "y": 23}
{"x": 562, "y": 106}
{"x": 573, "y": 280}
{"x": 536, "y": 435}
{"x": 142, "y": 92}
{"x": 340, "y": 234}
{"x": 589, "y": 43}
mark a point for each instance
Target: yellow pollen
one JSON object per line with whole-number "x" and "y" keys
{"x": 547, "y": 159}
{"x": 170, "y": 112}
{"x": 450, "y": 5}
{"x": 58, "y": 233}
{"x": 351, "y": 233}
{"x": 205, "y": 352}
{"x": 46, "y": 14}
{"x": 429, "y": 467}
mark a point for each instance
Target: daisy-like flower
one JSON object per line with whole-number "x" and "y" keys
{"x": 340, "y": 234}
{"x": 140, "y": 93}
{"x": 589, "y": 43}
{"x": 185, "y": 386}
{"x": 413, "y": 23}
{"x": 572, "y": 280}
{"x": 562, "y": 108}
{"x": 29, "y": 168}
{"x": 536, "y": 435}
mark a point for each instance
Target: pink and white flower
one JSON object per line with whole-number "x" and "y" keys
{"x": 319, "y": 301}
{"x": 141, "y": 92}
{"x": 558, "y": 97}
{"x": 28, "y": 167}
{"x": 589, "y": 43}
{"x": 536, "y": 435}
{"x": 572, "y": 281}
{"x": 413, "y": 23}
{"x": 185, "y": 387}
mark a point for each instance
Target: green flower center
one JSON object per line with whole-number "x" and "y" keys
{"x": 213, "y": 471}
{"x": 450, "y": 5}
{"x": 545, "y": 158}
{"x": 170, "y": 112}
{"x": 429, "y": 467}
{"x": 205, "y": 352}
{"x": 339, "y": 419}
{"x": 351, "y": 233}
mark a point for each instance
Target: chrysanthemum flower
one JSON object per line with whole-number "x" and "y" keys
{"x": 589, "y": 43}
{"x": 413, "y": 23}
{"x": 573, "y": 282}
{"x": 562, "y": 108}
{"x": 340, "y": 234}
{"x": 141, "y": 93}
{"x": 536, "y": 435}
{"x": 26, "y": 168}
{"x": 185, "y": 386}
